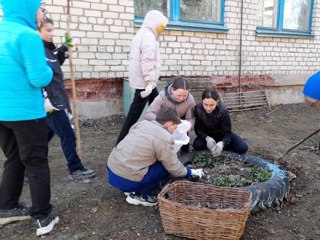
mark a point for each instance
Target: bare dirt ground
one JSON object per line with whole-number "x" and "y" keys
{"x": 95, "y": 210}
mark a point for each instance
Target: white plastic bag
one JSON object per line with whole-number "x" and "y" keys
{"x": 180, "y": 139}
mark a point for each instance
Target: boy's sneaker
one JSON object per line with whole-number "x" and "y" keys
{"x": 13, "y": 215}
{"x": 81, "y": 174}
{"x": 138, "y": 199}
{"x": 46, "y": 224}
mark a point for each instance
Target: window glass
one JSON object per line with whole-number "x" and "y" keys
{"x": 296, "y": 15}
{"x": 200, "y": 11}
{"x": 267, "y": 13}
{"x": 141, "y": 7}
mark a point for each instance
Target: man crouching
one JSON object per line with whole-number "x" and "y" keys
{"x": 145, "y": 157}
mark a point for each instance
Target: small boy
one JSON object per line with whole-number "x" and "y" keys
{"x": 57, "y": 103}
{"x": 145, "y": 157}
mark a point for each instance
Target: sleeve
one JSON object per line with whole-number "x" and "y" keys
{"x": 149, "y": 59}
{"x": 62, "y": 54}
{"x": 153, "y": 109}
{"x": 226, "y": 127}
{"x": 170, "y": 161}
{"x": 34, "y": 60}
{"x": 190, "y": 110}
{"x": 198, "y": 129}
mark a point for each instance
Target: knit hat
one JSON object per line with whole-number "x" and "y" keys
{"x": 312, "y": 87}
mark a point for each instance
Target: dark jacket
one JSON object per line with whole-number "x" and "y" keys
{"x": 56, "y": 90}
{"x": 216, "y": 124}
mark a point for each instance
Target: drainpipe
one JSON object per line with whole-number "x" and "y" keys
{"x": 240, "y": 49}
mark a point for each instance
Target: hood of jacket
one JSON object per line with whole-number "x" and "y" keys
{"x": 152, "y": 21}
{"x": 21, "y": 11}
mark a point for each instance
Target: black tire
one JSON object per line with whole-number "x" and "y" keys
{"x": 266, "y": 194}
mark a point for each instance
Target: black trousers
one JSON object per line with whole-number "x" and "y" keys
{"x": 237, "y": 144}
{"x": 25, "y": 146}
{"x": 135, "y": 111}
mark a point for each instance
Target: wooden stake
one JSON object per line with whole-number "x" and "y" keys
{"x": 73, "y": 86}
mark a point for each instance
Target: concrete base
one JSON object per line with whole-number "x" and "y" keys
{"x": 99, "y": 109}
{"x": 287, "y": 96}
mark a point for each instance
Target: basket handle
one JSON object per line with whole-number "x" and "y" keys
{"x": 164, "y": 191}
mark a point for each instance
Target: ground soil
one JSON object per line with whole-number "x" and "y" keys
{"x": 95, "y": 210}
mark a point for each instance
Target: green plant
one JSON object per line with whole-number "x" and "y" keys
{"x": 226, "y": 181}
{"x": 256, "y": 173}
{"x": 206, "y": 160}
{"x": 245, "y": 176}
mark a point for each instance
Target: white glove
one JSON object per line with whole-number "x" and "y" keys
{"x": 216, "y": 151}
{"x": 211, "y": 143}
{"x": 147, "y": 91}
{"x": 184, "y": 126}
{"x": 197, "y": 173}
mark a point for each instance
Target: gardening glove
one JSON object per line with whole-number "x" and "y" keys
{"x": 211, "y": 143}
{"x": 147, "y": 91}
{"x": 184, "y": 126}
{"x": 68, "y": 40}
{"x": 69, "y": 114}
{"x": 47, "y": 103}
{"x": 197, "y": 173}
{"x": 216, "y": 151}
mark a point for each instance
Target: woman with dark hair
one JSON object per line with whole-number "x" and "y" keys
{"x": 213, "y": 124}
{"x": 177, "y": 96}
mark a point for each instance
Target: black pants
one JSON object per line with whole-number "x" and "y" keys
{"x": 237, "y": 144}
{"x": 25, "y": 146}
{"x": 135, "y": 111}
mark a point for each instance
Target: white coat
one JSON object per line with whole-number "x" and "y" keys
{"x": 144, "y": 59}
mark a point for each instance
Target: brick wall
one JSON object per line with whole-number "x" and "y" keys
{"x": 102, "y": 30}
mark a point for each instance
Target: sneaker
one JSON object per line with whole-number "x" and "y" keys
{"x": 81, "y": 174}
{"x": 46, "y": 224}
{"x": 138, "y": 199}
{"x": 19, "y": 213}
{"x": 128, "y": 193}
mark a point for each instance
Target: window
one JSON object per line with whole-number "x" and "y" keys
{"x": 194, "y": 15}
{"x": 284, "y": 18}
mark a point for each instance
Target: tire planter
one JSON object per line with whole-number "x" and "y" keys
{"x": 266, "y": 194}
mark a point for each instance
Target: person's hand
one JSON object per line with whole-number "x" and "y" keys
{"x": 68, "y": 40}
{"x": 147, "y": 91}
{"x": 197, "y": 173}
{"x": 184, "y": 126}
{"x": 48, "y": 105}
{"x": 211, "y": 143}
{"x": 216, "y": 151}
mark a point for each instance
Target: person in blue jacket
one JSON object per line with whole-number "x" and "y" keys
{"x": 23, "y": 129}
{"x": 311, "y": 91}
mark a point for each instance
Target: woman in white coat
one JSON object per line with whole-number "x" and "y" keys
{"x": 144, "y": 66}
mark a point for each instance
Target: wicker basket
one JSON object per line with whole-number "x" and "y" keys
{"x": 203, "y": 211}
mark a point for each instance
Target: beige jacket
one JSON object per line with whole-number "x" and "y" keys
{"x": 144, "y": 59}
{"x": 145, "y": 143}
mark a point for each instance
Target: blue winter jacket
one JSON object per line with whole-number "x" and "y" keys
{"x": 23, "y": 68}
